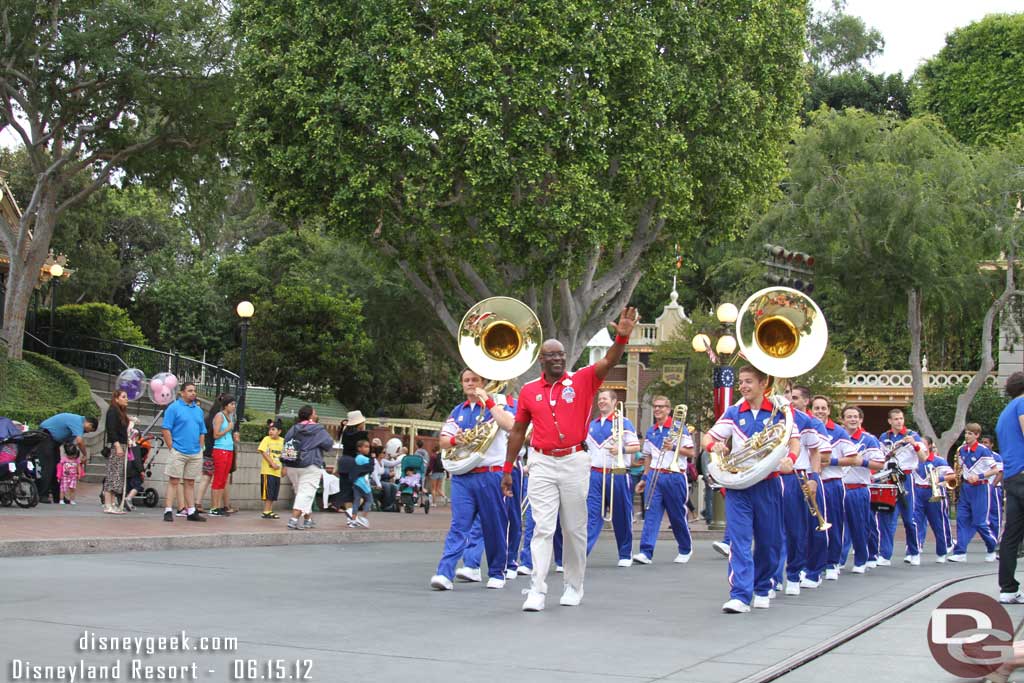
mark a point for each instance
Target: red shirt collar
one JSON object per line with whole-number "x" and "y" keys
{"x": 830, "y": 424}
{"x": 931, "y": 457}
{"x": 545, "y": 383}
{"x": 972, "y": 448}
{"x": 902, "y": 432}
{"x": 765, "y": 405}
{"x": 667, "y": 424}
{"x": 605, "y": 418}
{"x": 857, "y": 434}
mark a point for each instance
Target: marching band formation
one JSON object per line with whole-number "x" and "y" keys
{"x": 535, "y": 479}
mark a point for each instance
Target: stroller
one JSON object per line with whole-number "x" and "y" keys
{"x": 142, "y": 467}
{"x": 19, "y": 468}
{"x": 409, "y": 495}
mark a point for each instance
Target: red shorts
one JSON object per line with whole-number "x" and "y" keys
{"x": 222, "y": 460}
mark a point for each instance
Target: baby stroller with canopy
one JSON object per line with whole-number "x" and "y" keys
{"x": 18, "y": 468}
{"x": 410, "y": 495}
{"x": 144, "y": 453}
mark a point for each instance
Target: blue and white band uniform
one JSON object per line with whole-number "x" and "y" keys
{"x": 934, "y": 514}
{"x": 753, "y": 515}
{"x": 601, "y": 445}
{"x": 861, "y": 528}
{"x": 670, "y": 490}
{"x": 796, "y": 520}
{"x": 906, "y": 460}
{"x": 974, "y": 506}
{"x": 477, "y": 493}
{"x": 834, "y": 493}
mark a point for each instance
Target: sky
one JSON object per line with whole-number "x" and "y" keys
{"x": 914, "y": 30}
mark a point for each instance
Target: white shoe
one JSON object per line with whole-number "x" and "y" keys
{"x": 762, "y": 602}
{"x": 915, "y": 560}
{"x": 859, "y": 569}
{"x": 809, "y": 583}
{"x": 990, "y": 557}
{"x": 882, "y": 562}
{"x": 626, "y": 562}
{"x": 734, "y": 606}
{"x": 831, "y": 574}
{"x": 957, "y": 558}
{"x": 792, "y": 587}
{"x": 871, "y": 564}
{"x": 571, "y": 597}
{"x": 771, "y": 594}
{"x": 511, "y": 574}
{"x": 641, "y": 558}
{"x": 559, "y": 569}
{"x": 524, "y": 570}
{"x": 62, "y": 502}
{"x": 682, "y": 558}
{"x": 495, "y": 583}
{"x": 1012, "y": 598}
{"x": 721, "y": 548}
{"x": 468, "y": 574}
{"x": 534, "y": 602}
{"x": 941, "y": 559}
{"x": 441, "y": 583}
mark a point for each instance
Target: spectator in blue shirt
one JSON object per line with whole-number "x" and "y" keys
{"x": 61, "y": 428}
{"x": 1010, "y": 433}
{"x": 184, "y": 430}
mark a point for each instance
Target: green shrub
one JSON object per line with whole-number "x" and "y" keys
{"x": 984, "y": 409}
{"x": 95, "y": 319}
{"x": 39, "y": 387}
{"x": 256, "y": 428}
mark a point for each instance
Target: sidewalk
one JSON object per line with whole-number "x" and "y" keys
{"x": 84, "y": 528}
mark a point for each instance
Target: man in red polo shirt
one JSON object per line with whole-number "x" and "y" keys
{"x": 559, "y": 405}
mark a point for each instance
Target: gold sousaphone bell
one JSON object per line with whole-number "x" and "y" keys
{"x": 499, "y": 339}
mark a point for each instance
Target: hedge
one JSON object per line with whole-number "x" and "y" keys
{"x": 96, "y": 319}
{"x": 41, "y": 388}
{"x": 256, "y": 428}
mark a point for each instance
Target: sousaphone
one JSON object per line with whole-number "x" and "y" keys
{"x": 499, "y": 339}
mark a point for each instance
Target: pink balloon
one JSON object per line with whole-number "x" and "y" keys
{"x": 161, "y": 388}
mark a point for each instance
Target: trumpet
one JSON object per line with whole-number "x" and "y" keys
{"x": 812, "y": 502}
{"x": 933, "y": 481}
{"x": 608, "y": 492}
{"x": 674, "y": 434}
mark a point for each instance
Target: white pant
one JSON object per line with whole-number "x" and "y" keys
{"x": 305, "y": 481}
{"x": 558, "y": 489}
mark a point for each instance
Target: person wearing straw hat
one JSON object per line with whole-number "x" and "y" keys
{"x": 353, "y": 431}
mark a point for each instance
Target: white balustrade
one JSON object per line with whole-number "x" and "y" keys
{"x": 903, "y": 379}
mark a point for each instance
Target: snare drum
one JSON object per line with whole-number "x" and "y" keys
{"x": 883, "y": 497}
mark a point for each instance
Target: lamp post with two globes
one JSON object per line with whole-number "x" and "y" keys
{"x": 245, "y": 310}
{"x": 56, "y": 273}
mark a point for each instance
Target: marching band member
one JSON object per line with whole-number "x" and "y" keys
{"x": 972, "y": 512}
{"x": 753, "y": 514}
{"x": 601, "y": 445}
{"x": 995, "y": 517}
{"x": 558, "y": 405}
{"x": 859, "y": 520}
{"x": 909, "y": 452}
{"x": 478, "y": 492}
{"x": 843, "y": 454}
{"x": 671, "y": 488}
{"x": 929, "y": 512}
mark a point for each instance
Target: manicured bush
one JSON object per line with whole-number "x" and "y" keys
{"x": 95, "y": 319}
{"x": 39, "y": 387}
{"x": 256, "y": 427}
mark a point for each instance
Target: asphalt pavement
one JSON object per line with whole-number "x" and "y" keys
{"x": 364, "y": 611}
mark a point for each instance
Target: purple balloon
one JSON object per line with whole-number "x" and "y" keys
{"x": 131, "y": 382}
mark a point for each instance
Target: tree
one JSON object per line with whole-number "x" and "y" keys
{"x": 861, "y": 89}
{"x": 96, "y": 88}
{"x": 538, "y": 150}
{"x": 838, "y": 42}
{"x": 984, "y": 409}
{"x": 973, "y": 84}
{"x": 902, "y": 215}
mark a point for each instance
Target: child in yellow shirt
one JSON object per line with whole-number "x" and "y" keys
{"x": 270, "y": 468}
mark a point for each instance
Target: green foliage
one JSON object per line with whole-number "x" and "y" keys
{"x": 859, "y": 89}
{"x": 826, "y": 375}
{"x": 974, "y": 82}
{"x": 255, "y": 429}
{"x": 838, "y": 42}
{"x": 696, "y": 388}
{"x": 988, "y": 403}
{"x": 38, "y": 387}
{"x": 104, "y": 321}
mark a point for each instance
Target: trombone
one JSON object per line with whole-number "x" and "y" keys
{"x": 678, "y": 422}
{"x": 608, "y": 492}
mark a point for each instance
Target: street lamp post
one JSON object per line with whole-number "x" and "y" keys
{"x": 244, "y": 310}
{"x": 724, "y": 346}
{"x": 56, "y": 272}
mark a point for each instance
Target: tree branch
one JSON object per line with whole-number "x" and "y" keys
{"x": 104, "y": 175}
{"x": 482, "y": 290}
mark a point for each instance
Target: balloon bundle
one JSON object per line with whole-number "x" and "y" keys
{"x": 161, "y": 387}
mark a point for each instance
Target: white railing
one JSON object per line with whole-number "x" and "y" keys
{"x": 903, "y": 379}
{"x": 644, "y": 333}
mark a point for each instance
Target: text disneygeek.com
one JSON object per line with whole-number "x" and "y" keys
{"x": 132, "y": 664}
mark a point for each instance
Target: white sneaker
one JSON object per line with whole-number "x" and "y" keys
{"x": 957, "y": 558}
{"x": 871, "y": 564}
{"x": 809, "y": 583}
{"x": 831, "y": 574}
{"x": 721, "y": 548}
{"x": 468, "y": 574}
{"x": 771, "y": 594}
{"x": 641, "y": 558}
{"x": 941, "y": 559}
{"x": 364, "y": 522}
{"x": 682, "y": 558}
{"x": 524, "y": 570}
{"x": 859, "y": 569}
{"x": 882, "y": 562}
{"x": 534, "y": 602}
{"x": 571, "y": 597}
{"x": 441, "y": 583}
{"x": 792, "y": 587}
{"x": 626, "y": 562}
{"x": 62, "y": 502}
{"x": 734, "y": 606}
{"x": 559, "y": 569}
{"x": 1012, "y": 598}
{"x": 762, "y": 602}
{"x": 511, "y": 574}
{"x": 990, "y": 557}
{"x": 495, "y": 583}
{"x": 915, "y": 560}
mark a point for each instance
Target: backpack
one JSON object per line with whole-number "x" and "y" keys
{"x": 291, "y": 454}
